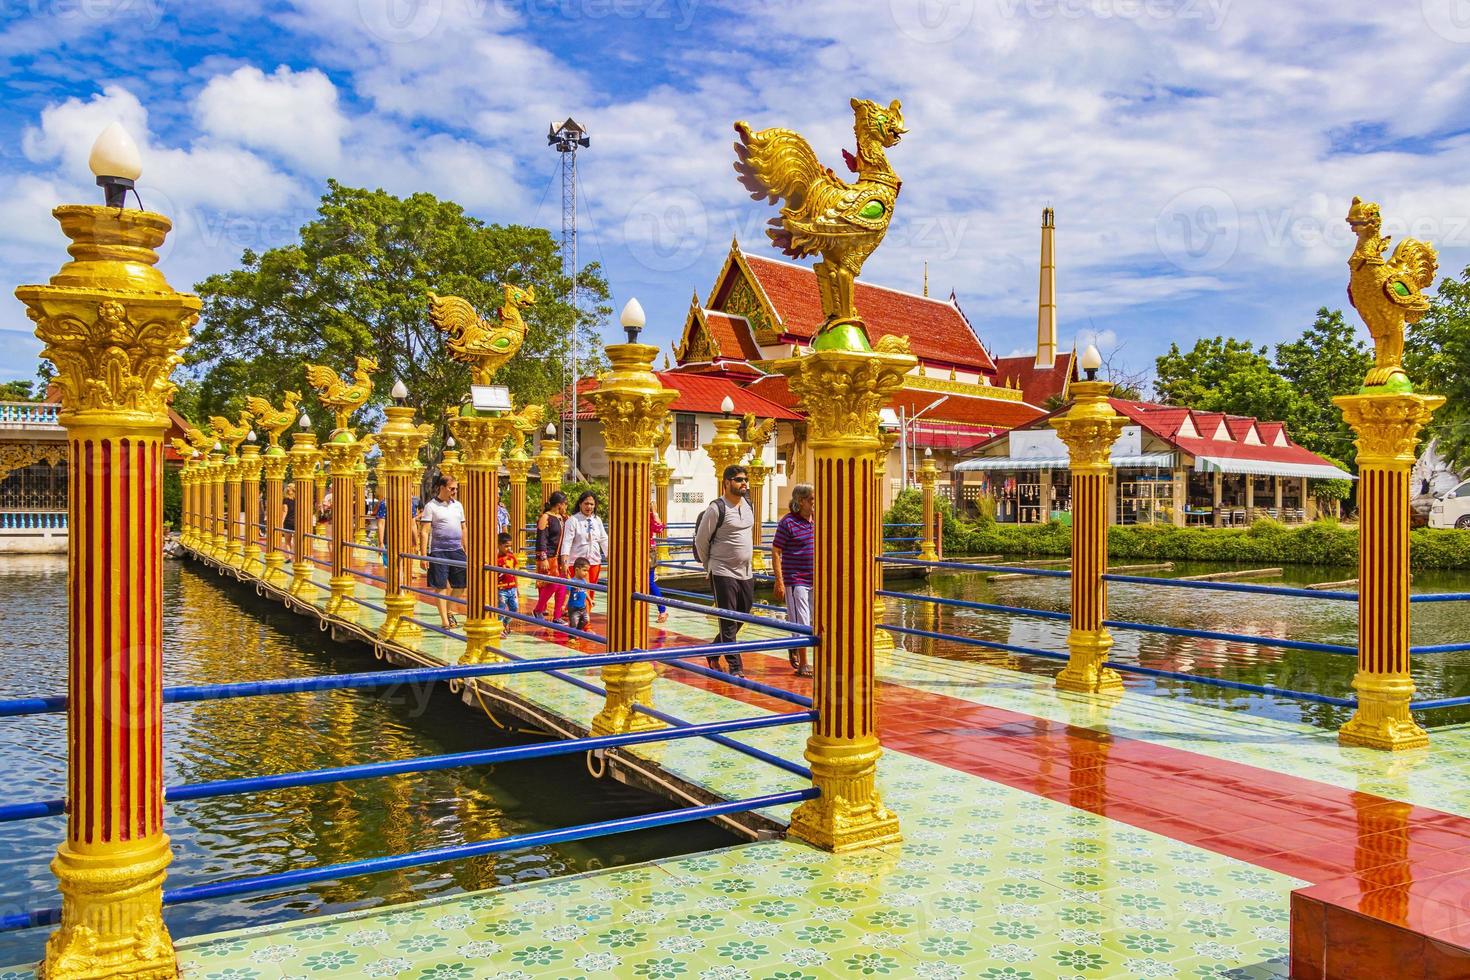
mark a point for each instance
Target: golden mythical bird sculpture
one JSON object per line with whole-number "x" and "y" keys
{"x": 342, "y": 397}
{"x": 1387, "y": 293}
{"x": 274, "y": 421}
{"x": 824, "y": 214}
{"x": 200, "y": 440}
{"x": 757, "y": 432}
{"x": 230, "y": 435}
{"x": 482, "y": 344}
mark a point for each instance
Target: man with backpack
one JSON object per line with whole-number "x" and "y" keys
{"x": 722, "y": 543}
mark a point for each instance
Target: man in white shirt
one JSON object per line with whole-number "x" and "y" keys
{"x": 444, "y": 516}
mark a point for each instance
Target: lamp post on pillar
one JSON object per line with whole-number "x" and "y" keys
{"x": 113, "y": 326}
{"x": 450, "y": 463}
{"x": 481, "y": 433}
{"x": 928, "y": 476}
{"x": 401, "y": 442}
{"x": 1089, "y": 428}
{"x": 549, "y": 463}
{"x": 343, "y": 451}
{"x": 250, "y": 466}
{"x": 518, "y": 469}
{"x": 319, "y": 481}
{"x": 1387, "y": 415}
{"x": 304, "y": 459}
{"x": 725, "y": 449}
{"x": 757, "y": 435}
{"x": 631, "y": 404}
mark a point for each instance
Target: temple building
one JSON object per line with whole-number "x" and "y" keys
{"x": 1170, "y": 465}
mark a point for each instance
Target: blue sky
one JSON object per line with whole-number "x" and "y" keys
{"x": 1200, "y": 154}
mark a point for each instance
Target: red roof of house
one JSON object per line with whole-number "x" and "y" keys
{"x": 984, "y": 413}
{"x": 937, "y": 331}
{"x": 701, "y": 393}
{"x": 732, "y": 335}
{"x": 941, "y": 435}
{"x": 1036, "y": 384}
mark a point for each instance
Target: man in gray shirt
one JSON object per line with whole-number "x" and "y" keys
{"x": 722, "y": 541}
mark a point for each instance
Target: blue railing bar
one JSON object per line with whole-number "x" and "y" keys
{"x": 745, "y": 682}
{"x": 316, "y": 537}
{"x": 351, "y": 869}
{"x": 1440, "y": 648}
{"x": 369, "y": 605}
{"x": 540, "y": 577}
{"x": 738, "y": 617}
{"x": 967, "y": 604}
{"x": 548, "y": 624}
{"x": 1233, "y": 587}
{"x": 1234, "y": 685}
{"x": 481, "y": 757}
{"x": 436, "y": 628}
{"x": 1440, "y": 597}
{"x": 367, "y": 575}
{"x": 365, "y": 547}
{"x": 1439, "y": 703}
{"x": 33, "y": 810}
{"x": 706, "y": 596}
{"x": 1264, "y": 641}
{"x": 16, "y": 707}
{"x": 432, "y": 594}
{"x": 975, "y": 641}
{"x": 968, "y": 567}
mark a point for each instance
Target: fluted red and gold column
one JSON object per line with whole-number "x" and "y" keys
{"x": 186, "y": 485}
{"x": 401, "y": 442}
{"x": 841, "y": 392}
{"x": 343, "y": 452}
{"x": 883, "y": 643}
{"x": 631, "y": 404}
{"x": 304, "y": 459}
{"x": 1089, "y": 428}
{"x": 928, "y": 476}
{"x": 273, "y": 466}
{"x": 234, "y": 541}
{"x": 549, "y": 464}
{"x": 320, "y": 480}
{"x": 1387, "y": 424}
{"x": 250, "y": 467}
{"x": 479, "y": 438}
{"x": 518, "y": 469}
{"x": 217, "y": 474}
{"x": 113, "y": 327}
{"x": 662, "y": 472}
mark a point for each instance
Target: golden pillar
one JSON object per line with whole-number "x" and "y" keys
{"x": 481, "y": 436}
{"x": 725, "y": 449}
{"x": 359, "y": 499}
{"x": 883, "y": 643}
{"x": 217, "y": 539}
{"x": 1089, "y": 428}
{"x": 234, "y": 552}
{"x": 518, "y": 466}
{"x": 274, "y": 465}
{"x": 841, "y": 393}
{"x": 549, "y": 463}
{"x": 250, "y": 467}
{"x": 632, "y": 404}
{"x": 400, "y": 441}
{"x": 661, "y": 473}
{"x": 1387, "y": 424}
{"x": 319, "y": 481}
{"x": 451, "y": 465}
{"x": 304, "y": 459}
{"x": 928, "y": 476}
{"x": 343, "y": 453}
{"x": 186, "y": 515}
{"x": 113, "y": 326}
{"x": 757, "y": 434}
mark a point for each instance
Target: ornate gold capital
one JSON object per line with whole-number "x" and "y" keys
{"x": 725, "y": 449}
{"x": 250, "y": 464}
{"x": 841, "y": 393}
{"x": 630, "y": 401}
{"x": 1090, "y": 427}
{"x": 1387, "y": 425}
{"x": 342, "y": 456}
{"x": 110, "y": 322}
{"x": 479, "y": 438}
{"x": 401, "y": 441}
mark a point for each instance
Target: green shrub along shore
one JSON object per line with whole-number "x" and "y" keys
{"x": 1267, "y": 542}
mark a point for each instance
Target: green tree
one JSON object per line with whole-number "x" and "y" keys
{"x": 1330, "y": 358}
{"x": 357, "y": 283}
{"x": 18, "y": 391}
{"x": 1437, "y": 359}
{"x": 1194, "y": 378}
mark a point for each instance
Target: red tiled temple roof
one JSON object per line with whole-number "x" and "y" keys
{"x": 990, "y": 413}
{"x": 701, "y": 393}
{"x": 1036, "y": 384}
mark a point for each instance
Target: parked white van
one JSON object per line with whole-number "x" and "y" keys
{"x": 1452, "y": 509}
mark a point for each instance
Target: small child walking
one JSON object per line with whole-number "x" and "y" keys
{"x": 578, "y": 613}
{"x": 510, "y": 594}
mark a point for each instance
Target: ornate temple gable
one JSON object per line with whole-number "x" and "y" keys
{"x": 738, "y": 291}
{"x": 695, "y": 344}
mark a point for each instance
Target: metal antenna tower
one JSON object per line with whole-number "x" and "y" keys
{"x": 566, "y": 139}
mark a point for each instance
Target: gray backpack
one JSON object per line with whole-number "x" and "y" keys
{"x": 720, "y": 506}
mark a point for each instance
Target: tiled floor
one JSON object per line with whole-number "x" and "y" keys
{"x": 1046, "y": 835}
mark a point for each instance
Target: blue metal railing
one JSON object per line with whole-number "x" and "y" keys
{"x": 32, "y": 520}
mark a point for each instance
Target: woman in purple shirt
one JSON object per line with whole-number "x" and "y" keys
{"x": 793, "y": 550}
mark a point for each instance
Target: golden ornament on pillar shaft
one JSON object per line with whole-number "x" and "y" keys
{"x": 113, "y": 328}
{"x": 1387, "y": 416}
{"x": 631, "y": 405}
{"x": 841, "y": 392}
{"x": 400, "y": 441}
{"x": 549, "y": 463}
{"x": 1089, "y": 428}
{"x": 928, "y": 476}
{"x": 274, "y": 465}
{"x": 725, "y": 449}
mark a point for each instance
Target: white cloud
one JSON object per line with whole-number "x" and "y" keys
{"x": 291, "y": 114}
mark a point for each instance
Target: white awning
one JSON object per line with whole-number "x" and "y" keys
{"x": 1263, "y": 467}
{"x": 1144, "y": 461}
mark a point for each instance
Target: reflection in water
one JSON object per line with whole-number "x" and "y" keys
{"x": 1435, "y": 675}
{"x": 216, "y": 634}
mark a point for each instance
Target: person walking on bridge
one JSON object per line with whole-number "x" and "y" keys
{"x": 444, "y": 516}
{"x": 722, "y": 544}
{"x": 549, "y": 529}
{"x": 793, "y": 551}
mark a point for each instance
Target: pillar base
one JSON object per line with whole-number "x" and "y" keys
{"x": 218, "y": 547}
{"x": 111, "y": 914}
{"x": 360, "y": 537}
{"x": 1085, "y": 673}
{"x": 395, "y": 625}
{"x": 301, "y": 583}
{"x": 627, "y": 685}
{"x": 664, "y": 554}
{"x": 849, "y": 815}
{"x": 927, "y": 555}
{"x": 1382, "y": 719}
{"x": 883, "y": 642}
{"x": 253, "y": 559}
{"x": 339, "y": 602}
{"x": 758, "y": 561}
{"x": 275, "y": 569}
{"x": 480, "y": 638}
{"x": 234, "y": 555}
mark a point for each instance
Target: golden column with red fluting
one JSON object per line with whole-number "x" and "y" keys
{"x": 1089, "y": 428}
{"x": 549, "y": 464}
{"x": 273, "y": 465}
{"x": 661, "y": 473}
{"x": 1387, "y": 424}
{"x": 186, "y": 515}
{"x": 841, "y": 393}
{"x": 343, "y": 452}
{"x": 216, "y": 471}
{"x": 401, "y": 442}
{"x": 304, "y": 459}
{"x": 928, "y": 476}
{"x": 883, "y": 643}
{"x": 480, "y": 437}
{"x": 250, "y": 467}
{"x": 518, "y": 468}
{"x": 359, "y": 496}
{"x": 234, "y": 553}
{"x": 757, "y": 434}
{"x": 320, "y": 479}
{"x": 113, "y": 326}
{"x": 725, "y": 449}
{"x": 631, "y": 404}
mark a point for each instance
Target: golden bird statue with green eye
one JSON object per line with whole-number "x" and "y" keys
{"x": 825, "y": 215}
{"x": 1387, "y": 293}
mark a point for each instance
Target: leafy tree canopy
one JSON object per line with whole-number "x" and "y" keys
{"x": 357, "y": 283}
{"x": 19, "y": 391}
{"x": 1437, "y": 358}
